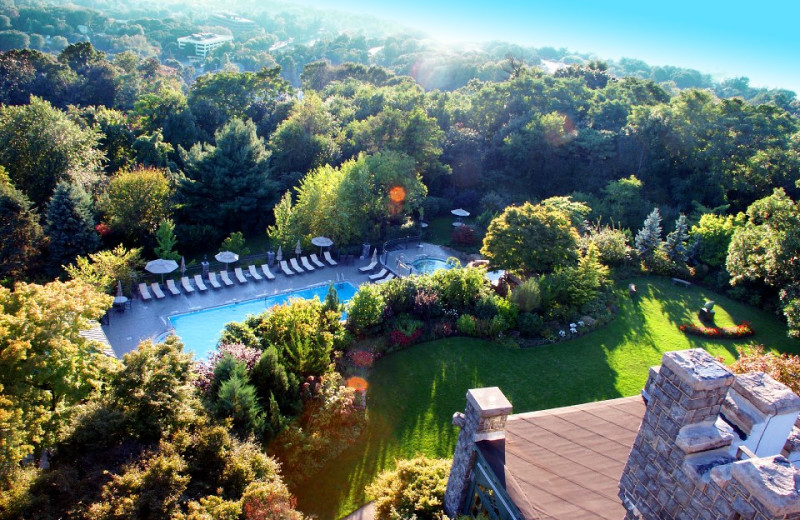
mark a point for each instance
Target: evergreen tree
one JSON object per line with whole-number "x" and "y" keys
{"x": 648, "y": 239}
{"x": 675, "y": 245}
{"x": 237, "y": 400}
{"x": 21, "y": 233}
{"x": 331, "y": 302}
{"x": 70, "y": 225}
{"x": 228, "y": 185}
{"x": 166, "y": 240}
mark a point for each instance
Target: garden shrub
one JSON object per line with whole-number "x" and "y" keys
{"x": 498, "y": 325}
{"x": 414, "y": 489}
{"x": 463, "y": 236}
{"x": 407, "y": 331}
{"x": 427, "y": 304}
{"x": 268, "y": 501}
{"x": 486, "y": 308}
{"x": 365, "y": 310}
{"x": 399, "y": 294}
{"x": 467, "y": 325}
{"x": 507, "y": 310}
{"x": 613, "y": 245}
{"x": 784, "y": 368}
{"x": 528, "y": 295}
{"x": 459, "y": 288}
{"x": 530, "y": 325}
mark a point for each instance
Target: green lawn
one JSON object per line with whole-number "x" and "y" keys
{"x": 414, "y": 393}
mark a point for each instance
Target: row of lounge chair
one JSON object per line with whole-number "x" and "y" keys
{"x": 309, "y": 263}
{"x": 217, "y": 280}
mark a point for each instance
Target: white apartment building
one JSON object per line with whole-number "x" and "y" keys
{"x": 203, "y": 42}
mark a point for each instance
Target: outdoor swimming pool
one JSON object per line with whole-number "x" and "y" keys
{"x": 429, "y": 264}
{"x": 200, "y": 330}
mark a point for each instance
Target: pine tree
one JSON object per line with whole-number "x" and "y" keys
{"x": 166, "y": 240}
{"x": 228, "y": 185}
{"x": 70, "y": 225}
{"x": 675, "y": 245}
{"x": 648, "y": 239}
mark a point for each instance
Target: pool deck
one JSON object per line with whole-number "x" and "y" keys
{"x": 149, "y": 319}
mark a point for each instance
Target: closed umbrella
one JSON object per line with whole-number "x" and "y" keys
{"x": 120, "y": 299}
{"x": 183, "y": 266}
{"x": 279, "y": 256}
{"x": 161, "y": 266}
{"x": 119, "y": 288}
{"x": 226, "y": 257}
{"x": 298, "y": 249}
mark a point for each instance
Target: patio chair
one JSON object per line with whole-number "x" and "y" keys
{"x": 187, "y": 285}
{"x": 267, "y": 272}
{"x": 144, "y": 292}
{"x": 285, "y": 268}
{"x": 198, "y": 281}
{"x": 316, "y": 261}
{"x": 295, "y": 265}
{"x": 379, "y": 274}
{"x": 306, "y": 264}
{"x": 327, "y": 256}
{"x": 173, "y": 288}
{"x": 157, "y": 290}
{"x": 370, "y": 267}
{"x": 223, "y": 275}
{"x": 212, "y": 279}
{"x": 240, "y": 275}
{"x": 386, "y": 279}
{"x": 254, "y": 273}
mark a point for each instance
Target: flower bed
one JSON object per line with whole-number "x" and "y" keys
{"x": 742, "y": 330}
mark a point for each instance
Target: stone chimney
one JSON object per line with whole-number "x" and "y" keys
{"x": 683, "y": 463}
{"x": 484, "y": 419}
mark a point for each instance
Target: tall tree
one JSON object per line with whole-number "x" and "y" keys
{"x": 675, "y": 245}
{"x": 21, "y": 244}
{"x": 648, "y": 239}
{"x": 136, "y": 202}
{"x": 44, "y": 361}
{"x": 228, "y": 185}
{"x": 40, "y": 146}
{"x": 70, "y": 225}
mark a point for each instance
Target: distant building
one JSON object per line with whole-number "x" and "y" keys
{"x": 203, "y": 43}
{"x": 233, "y": 22}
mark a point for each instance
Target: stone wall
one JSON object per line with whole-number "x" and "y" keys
{"x": 683, "y": 464}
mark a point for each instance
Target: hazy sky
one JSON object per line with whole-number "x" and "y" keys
{"x": 760, "y": 39}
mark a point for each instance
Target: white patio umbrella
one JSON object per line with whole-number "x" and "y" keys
{"x": 298, "y": 249}
{"x": 460, "y": 212}
{"x": 322, "y": 242}
{"x": 161, "y": 266}
{"x": 226, "y": 257}
{"x": 279, "y": 256}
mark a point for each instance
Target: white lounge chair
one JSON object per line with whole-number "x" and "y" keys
{"x": 212, "y": 279}
{"x": 306, "y": 264}
{"x": 240, "y": 275}
{"x": 295, "y": 265}
{"x": 144, "y": 292}
{"x": 173, "y": 288}
{"x": 187, "y": 285}
{"x": 316, "y": 261}
{"x": 157, "y": 290}
{"x": 368, "y": 268}
{"x": 386, "y": 279}
{"x": 327, "y": 256}
{"x": 379, "y": 274}
{"x": 267, "y": 272}
{"x": 254, "y": 273}
{"x": 198, "y": 281}
{"x": 223, "y": 275}
{"x": 285, "y": 268}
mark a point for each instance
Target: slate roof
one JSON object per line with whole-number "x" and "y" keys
{"x": 567, "y": 462}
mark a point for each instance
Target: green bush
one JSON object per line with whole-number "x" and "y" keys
{"x": 530, "y": 325}
{"x": 528, "y": 296}
{"x": 467, "y": 325}
{"x": 414, "y": 489}
{"x": 365, "y": 310}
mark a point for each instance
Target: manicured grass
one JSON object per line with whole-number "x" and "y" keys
{"x": 414, "y": 393}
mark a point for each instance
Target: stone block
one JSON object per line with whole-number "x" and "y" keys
{"x": 697, "y": 369}
{"x": 489, "y": 402}
{"x": 773, "y": 481}
{"x": 694, "y": 438}
{"x": 766, "y": 394}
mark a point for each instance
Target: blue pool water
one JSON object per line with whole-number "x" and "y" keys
{"x": 200, "y": 330}
{"x": 429, "y": 264}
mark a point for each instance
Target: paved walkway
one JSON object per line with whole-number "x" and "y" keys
{"x": 149, "y": 319}
{"x": 365, "y": 512}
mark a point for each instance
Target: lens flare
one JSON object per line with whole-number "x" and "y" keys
{"x": 397, "y": 194}
{"x": 357, "y": 383}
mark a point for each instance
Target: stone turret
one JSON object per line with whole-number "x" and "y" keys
{"x": 484, "y": 419}
{"x": 700, "y": 420}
